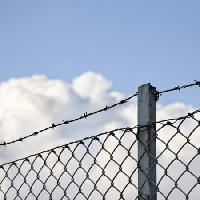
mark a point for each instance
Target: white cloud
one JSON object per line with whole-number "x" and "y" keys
{"x": 92, "y": 86}
{"x": 32, "y": 103}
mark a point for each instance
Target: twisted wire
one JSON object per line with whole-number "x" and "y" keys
{"x": 66, "y": 122}
{"x": 178, "y": 88}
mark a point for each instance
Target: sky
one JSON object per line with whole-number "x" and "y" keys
{"x": 130, "y": 43}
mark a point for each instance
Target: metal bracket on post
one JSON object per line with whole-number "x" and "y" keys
{"x": 147, "y": 143}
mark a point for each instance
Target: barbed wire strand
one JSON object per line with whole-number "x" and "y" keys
{"x": 66, "y": 122}
{"x": 179, "y": 88}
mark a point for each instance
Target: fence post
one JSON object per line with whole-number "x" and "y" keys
{"x": 146, "y": 143}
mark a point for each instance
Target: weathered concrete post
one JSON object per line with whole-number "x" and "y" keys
{"x": 147, "y": 143}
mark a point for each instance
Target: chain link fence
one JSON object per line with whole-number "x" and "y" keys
{"x": 178, "y": 158}
{"x": 105, "y": 166}
{"x": 99, "y": 167}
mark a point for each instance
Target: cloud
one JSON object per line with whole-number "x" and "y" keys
{"x": 33, "y": 103}
{"x": 91, "y": 86}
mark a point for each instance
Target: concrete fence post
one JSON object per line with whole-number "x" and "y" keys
{"x": 146, "y": 143}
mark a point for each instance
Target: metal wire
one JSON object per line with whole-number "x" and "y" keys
{"x": 78, "y": 170}
{"x": 178, "y": 158}
{"x": 66, "y": 122}
{"x": 179, "y": 88}
{"x": 105, "y": 166}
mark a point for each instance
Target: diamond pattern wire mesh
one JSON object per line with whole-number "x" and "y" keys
{"x": 106, "y": 166}
{"x": 178, "y": 158}
{"x": 100, "y": 167}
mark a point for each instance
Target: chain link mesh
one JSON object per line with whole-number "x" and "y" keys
{"x": 178, "y": 158}
{"x": 105, "y": 166}
{"x": 92, "y": 168}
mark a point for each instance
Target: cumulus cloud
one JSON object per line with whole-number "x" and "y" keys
{"x": 32, "y": 103}
{"x": 92, "y": 86}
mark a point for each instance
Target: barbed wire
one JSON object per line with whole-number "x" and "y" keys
{"x": 178, "y": 88}
{"x": 66, "y": 122}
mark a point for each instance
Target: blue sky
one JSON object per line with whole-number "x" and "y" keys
{"x": 129, "y": 42}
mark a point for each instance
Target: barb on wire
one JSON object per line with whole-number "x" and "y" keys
{"x": 178, "y": 88}
{"x": 65, "y": 122}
